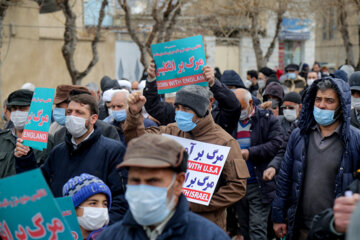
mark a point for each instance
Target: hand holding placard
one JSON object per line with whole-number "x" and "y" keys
{"x": 20, "y": 149}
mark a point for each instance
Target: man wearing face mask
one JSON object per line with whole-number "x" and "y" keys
{"x": 85, "y": 149}
{"x": 273, "y": 93}
{"x": 118, "y": 106}
{"x": 19, "y": 104}
{"x": 92, "y": 201}
{"x": 194, "y": 121}
{"x": 291, "y": 109}
{"x": 259, "y": 135}
{"x": 322, "y": 155}
{"x": 292, "y": 80}
{"x": 157, "y": 207}
{"x": 354, "y": 83}
{"x": 61, "y": 101}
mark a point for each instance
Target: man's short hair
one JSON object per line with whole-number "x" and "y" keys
{"x": 86, "y": 99}
{"x": 252, "y": 73}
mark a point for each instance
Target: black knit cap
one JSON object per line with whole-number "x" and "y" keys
{"x": 293, "y": 97}
{"x": 21, "y": 97}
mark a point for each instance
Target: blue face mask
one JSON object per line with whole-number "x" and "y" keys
{"x": 148, "y": 204}
{"x": 184, "y": 121}
{"x": 324, "y": 117}
{"x": 59, "y": 115}
{"x": 119, "y": 115}
{"x": 291, "y": 75}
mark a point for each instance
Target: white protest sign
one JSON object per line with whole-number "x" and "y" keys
{"x": 205, "y": 165}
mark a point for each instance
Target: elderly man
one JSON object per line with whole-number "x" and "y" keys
{"x": 118, "y": 106}
{"x": 194, "y": 121}
{"x": 321, "y": 156}
{"x": 259, "y": 135}
{"x": 19, "y": 104}
{"x": 85, "y": 150}
{"x": 158, "y": 209}
{"x": 355, "y": 99}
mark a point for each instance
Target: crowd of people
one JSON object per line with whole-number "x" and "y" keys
{"x": 292, "y": 170}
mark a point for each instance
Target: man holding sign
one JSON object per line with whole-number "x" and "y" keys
{"x": 19, "y": 104}
{"x": 193, "y": 121}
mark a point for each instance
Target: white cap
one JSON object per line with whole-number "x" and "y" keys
{"x": 107, "y": 95}
{"x": 28, "y": 86}
{"x": 124, "y": 83}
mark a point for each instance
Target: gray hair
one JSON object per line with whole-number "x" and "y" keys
{"x": 247, "y": 96}
{"x": 117, "y": 91}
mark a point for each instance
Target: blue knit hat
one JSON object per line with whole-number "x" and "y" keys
{"x": 82, "y": 187}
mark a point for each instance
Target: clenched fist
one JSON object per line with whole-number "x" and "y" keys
{"x": 135, "y": 102}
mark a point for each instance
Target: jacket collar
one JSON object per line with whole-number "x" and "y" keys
{"x": 84, "y": 144}
{"x": 175, "y": 225}
{"x": 204, "y": 125}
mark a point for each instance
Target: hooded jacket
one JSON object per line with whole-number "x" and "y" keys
{"x": 182, "y": 225}
{"x": 232, "y": 182}
{"x": 290, "y": 179}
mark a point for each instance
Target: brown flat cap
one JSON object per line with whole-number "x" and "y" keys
{"x": 153, "y": 151}
{"x": 63, "y": 92}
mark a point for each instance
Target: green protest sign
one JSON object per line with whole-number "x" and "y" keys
{"x": 28, "y": 209}
{"x": 68, "y": 211}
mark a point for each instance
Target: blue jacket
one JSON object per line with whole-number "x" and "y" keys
{"x": 183, "y": 225}
{"x": 98, "y": 155}
{"x": 291, "y": 176}
{"x": 266, "y": 140}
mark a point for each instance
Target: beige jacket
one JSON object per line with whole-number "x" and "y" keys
{"x": 233, "y": 177}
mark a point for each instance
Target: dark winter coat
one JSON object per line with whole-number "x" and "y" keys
{"x": 290, "y": 179}
{"x": 266, "y": 140}
{"x": 183, "y": 225}
{"x": 98, "y": 156}
{"x": 353, "y": 120}
{"x": 7, "y": 159}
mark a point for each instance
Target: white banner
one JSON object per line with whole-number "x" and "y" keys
{"x": 205, "y": 165}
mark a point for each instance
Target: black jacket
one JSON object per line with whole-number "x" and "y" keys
{"x": 266, "y": 140}
{"x": 182, "y": 225}
{"x": 98, "y": 156}
{"x": 224, "y": 114}
{"x": 320, "y": 227}
{"x": 353, "y": 120}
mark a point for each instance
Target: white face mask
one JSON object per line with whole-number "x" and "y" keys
{"x": 355, "y": 103}
{"x": 75, "y": 126}
{"x": 19, "y": 118}
{"x": 247, "y": 83}
{"x": 93, "y": 218}
{"x": 244, "y": 114}
{"x": 310, "y": 81}
{"x": 261, "y": 83}
{"x": 290, "y": 114}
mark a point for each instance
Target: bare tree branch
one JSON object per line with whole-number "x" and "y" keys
{"x": 343, "y": 28}
{"x": 70, "y": 41}
{"x": 164, "y": 16}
